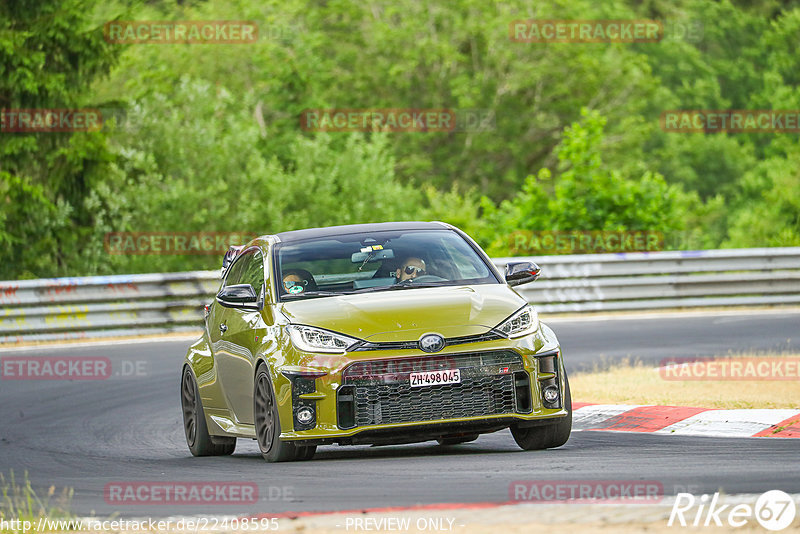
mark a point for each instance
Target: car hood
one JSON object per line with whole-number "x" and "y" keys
{"x": 404, "y": 315}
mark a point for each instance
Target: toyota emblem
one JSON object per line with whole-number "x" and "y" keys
{"x": 431, "y": 343}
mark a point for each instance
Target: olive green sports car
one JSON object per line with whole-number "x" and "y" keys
{"x": 371, "y": 334}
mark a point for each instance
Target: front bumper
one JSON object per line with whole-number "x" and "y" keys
{"x": 365, "y": 396}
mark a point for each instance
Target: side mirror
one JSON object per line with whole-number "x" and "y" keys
{"x": 521, "y": 272}
{"x": 239, "y": 296}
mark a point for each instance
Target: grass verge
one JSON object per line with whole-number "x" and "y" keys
{"x": 632, "y": 382}
{"x": 20, "y": 502}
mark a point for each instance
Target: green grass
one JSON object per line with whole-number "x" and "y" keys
{"x": 633, "y": 382}
{"x": 21, "y": 502}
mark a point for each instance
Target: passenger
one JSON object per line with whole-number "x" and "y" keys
{"x": 298, "y": 281}
{"x": 410, "y": 269}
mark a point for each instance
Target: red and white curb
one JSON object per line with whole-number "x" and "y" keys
{"x": 686, "y": 421}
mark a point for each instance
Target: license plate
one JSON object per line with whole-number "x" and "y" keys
{"x": 435, "y": 378}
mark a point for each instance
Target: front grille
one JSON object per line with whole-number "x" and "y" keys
{"x": 491, "y": 335}
{"x": 379, "y": 391}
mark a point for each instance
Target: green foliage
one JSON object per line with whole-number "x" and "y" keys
{"x": 208, "y": 137}
{"x": 587, "y": 195}
{"x": 29, "y": 222}
{"x": 769, "y": 207}
{"x": 49, "y": 56}
{"x": 193, "y": 154}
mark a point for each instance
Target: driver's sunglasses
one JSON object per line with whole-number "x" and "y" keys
{"x": 291, "y": 283}
{"x": 410, "y": 269}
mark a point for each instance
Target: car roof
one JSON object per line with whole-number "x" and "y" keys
{"x": 312, "y": 233}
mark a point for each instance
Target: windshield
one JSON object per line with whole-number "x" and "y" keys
{"x": 378, "y": 261}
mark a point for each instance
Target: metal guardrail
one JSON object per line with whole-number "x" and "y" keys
{"x": 95, "y": 306}
{"x": 660, "y": 280}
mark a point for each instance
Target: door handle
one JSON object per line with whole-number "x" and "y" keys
{"x": 223, "y": 327}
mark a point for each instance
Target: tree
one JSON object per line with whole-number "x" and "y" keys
{"x": 49, "y": 57}
{"x": 587, "y": 195}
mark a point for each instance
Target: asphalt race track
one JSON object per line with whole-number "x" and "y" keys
{"x": 587, "y": 343}
{"x": 85, "y": 434}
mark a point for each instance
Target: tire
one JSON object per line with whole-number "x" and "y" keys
{"x": 447, "y": 441}
{"x": 546, "y": 436}
{"x": 306, "y": 452}
{"x": 267, "y": 422}
{"x": 194, "y": 423}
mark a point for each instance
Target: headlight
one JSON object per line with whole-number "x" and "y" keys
{"x": 310, "y": 339}
{"x": 523, "y": 322}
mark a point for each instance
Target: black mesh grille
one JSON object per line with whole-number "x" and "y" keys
{"x": 382, "y": 394}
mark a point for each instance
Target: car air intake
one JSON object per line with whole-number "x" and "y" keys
{"x": 379, "y": 391}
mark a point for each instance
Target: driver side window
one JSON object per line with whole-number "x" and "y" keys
{"x": 236, "y": 271}
{"x": 253, "y": 271}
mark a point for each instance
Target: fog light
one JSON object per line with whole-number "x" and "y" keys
{"x": 304, "y": 415}
{"x": 550, "y": 394}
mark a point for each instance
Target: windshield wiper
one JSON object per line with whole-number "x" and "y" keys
{"x": 292, "y": 296}
{"x": 394, "y": 287}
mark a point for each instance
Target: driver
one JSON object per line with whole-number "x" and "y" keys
{"x": 410, "y": 269}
